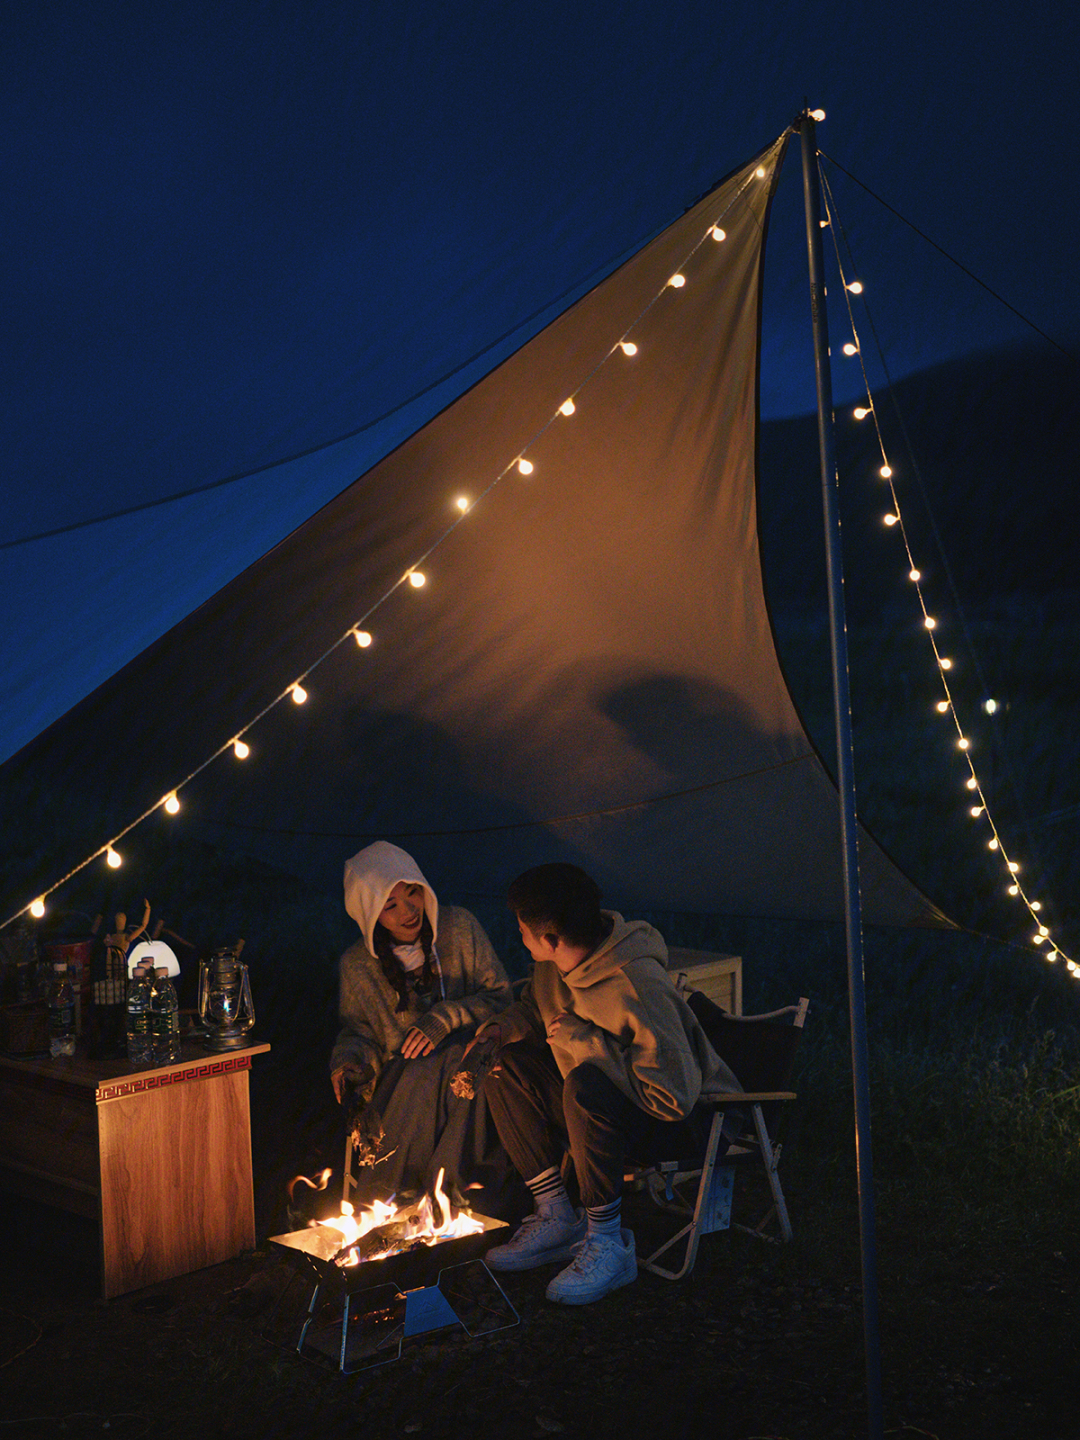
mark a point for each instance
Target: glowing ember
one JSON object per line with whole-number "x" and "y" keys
{"x": 383, "y": 1229}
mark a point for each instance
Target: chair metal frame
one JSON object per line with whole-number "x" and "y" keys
{"x": 709, "y": 1208}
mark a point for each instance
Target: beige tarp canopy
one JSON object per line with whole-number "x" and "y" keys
{"x": 587, "y": 673}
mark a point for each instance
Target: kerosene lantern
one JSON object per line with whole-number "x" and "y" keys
{"x": 225, "y": 1007}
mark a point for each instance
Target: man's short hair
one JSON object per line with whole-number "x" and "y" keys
{"x": 560, "y": 900}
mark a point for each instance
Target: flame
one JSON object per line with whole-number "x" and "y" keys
{"x": 319, "y": 1182}
{"x": 430, "y": 1221}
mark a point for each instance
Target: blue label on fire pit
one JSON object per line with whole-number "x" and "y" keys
{"x": 427, "y": 1309}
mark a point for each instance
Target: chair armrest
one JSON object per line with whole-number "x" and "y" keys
{"x": 743, "y": 1097}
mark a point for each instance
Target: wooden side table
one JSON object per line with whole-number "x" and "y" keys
{"x": 161, "y": 1158}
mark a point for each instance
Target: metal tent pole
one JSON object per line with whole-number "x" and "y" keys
{"x": 845, "y": 778}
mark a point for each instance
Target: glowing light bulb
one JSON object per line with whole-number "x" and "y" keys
{"x": 628, "y": 347}
{"x": 1014, "y": 868}
{"x": 37, "y": 908}
{"x": 890, "y": 519}
{"x": 717, "y": 233}
{"x": 677, "y": 282}
{"x": 1037, "y": 939}
{"x": 362, "y": 638}
{"x": 977, "y": 810}
{"x": 945, "y": 662}
{"x": 992, "y": 844}
{"x": 824, "y": 224}
{"x": 241, "y": 749}
{"x": 172, "y": 804}
{"x": 963, "y": 743}
{"x": 1036, "y": 905}
{"x": 972, "y": 783}
{"x": 850, "y": 349}
{"x": 462, "y": 503}
{"x": 760, "y": 172}
{"x": 860, "y": 412}
{"x": 1043, "y": 931}
{"x": 885, "y": 472}
{"x": 1014, "y": 889}
{"x": 915, "y": 575}
{"x": 113, "y": 858}
{"x": 567, "y": 407}
{"x": 418, "y": 578}
{"x": 856, "y": 287}
{"x": 299, "y": 694}
{"x": 929, "y": 622}
{"x": 943, "y": 707}
{"x": 525, "y": 467}
{"x": 817, "y": 115}
{"x": 990, "y": 706}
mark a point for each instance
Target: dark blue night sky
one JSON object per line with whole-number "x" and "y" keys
{"x": 233, "y": 233}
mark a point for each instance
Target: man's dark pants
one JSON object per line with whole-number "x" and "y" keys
{"x": 540, "y": 1116}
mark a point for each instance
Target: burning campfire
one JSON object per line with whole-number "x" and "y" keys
{"x": 382, "y": 1228}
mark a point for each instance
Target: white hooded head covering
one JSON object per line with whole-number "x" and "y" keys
{"x": 369, "y": 878}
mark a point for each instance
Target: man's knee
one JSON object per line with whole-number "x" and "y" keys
{"x": 586, "y": 1087}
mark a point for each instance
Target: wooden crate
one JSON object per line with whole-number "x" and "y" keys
{"x": 717, "y": 976}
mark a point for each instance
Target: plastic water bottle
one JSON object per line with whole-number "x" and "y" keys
{"x": 138, "y": 1017}
{"x": 61, "y": 1013}
{"x": 164, "y": 1019}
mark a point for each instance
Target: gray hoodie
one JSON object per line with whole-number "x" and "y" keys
{"x": 619, "y": 1009}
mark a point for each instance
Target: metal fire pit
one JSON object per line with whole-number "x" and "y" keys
{"x": 361, "y": 1315}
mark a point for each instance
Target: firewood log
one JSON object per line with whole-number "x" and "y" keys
{"x": 465, "y": 1082}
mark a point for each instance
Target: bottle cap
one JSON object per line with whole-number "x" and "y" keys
{"x": 161, "y": 972}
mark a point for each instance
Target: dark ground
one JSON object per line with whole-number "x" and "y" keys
{"x": 760, "y": 1341}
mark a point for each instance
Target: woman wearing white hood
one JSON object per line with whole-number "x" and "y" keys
{"x": 413, "y": 992}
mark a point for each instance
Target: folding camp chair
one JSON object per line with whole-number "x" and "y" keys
{"x": 760, "y": 1049}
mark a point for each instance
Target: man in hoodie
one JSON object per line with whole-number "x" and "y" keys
{"x": 601, "y": 1059}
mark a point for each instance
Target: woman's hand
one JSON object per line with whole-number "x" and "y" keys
{"x": 345, "y": 1077}
{"x": 415, "y": 1044}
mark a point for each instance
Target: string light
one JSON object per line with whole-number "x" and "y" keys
{"x": 717, "y": 233}
{"x": 856, "y": 287}
{"x": 362, "y": 638}
{"x": 677, "y": 282}
{"x": 37, "y": 908}
{"x": 567, "y": 407}
{"x": 299, "y": 694}
{"x": 628, "y": 347}
{"x": 417, "y": 578}
{"x": 850, "y": 349}
{"x": 171, "y": 803}
{"x": 462, "y": 503}
{"x": 990, "y": 706}
{"x": 241, "y": 749}
{"x": 113, "y": 858}
{"x": 760, "y": 172}
{"x": 818, "y": 115}
{"x": 890, "y": 518}
{"x": 525, "y": 466}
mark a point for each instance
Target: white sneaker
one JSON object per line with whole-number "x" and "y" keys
{"x": 540, "y": 1240}
{"x": 602, "y": 1264}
